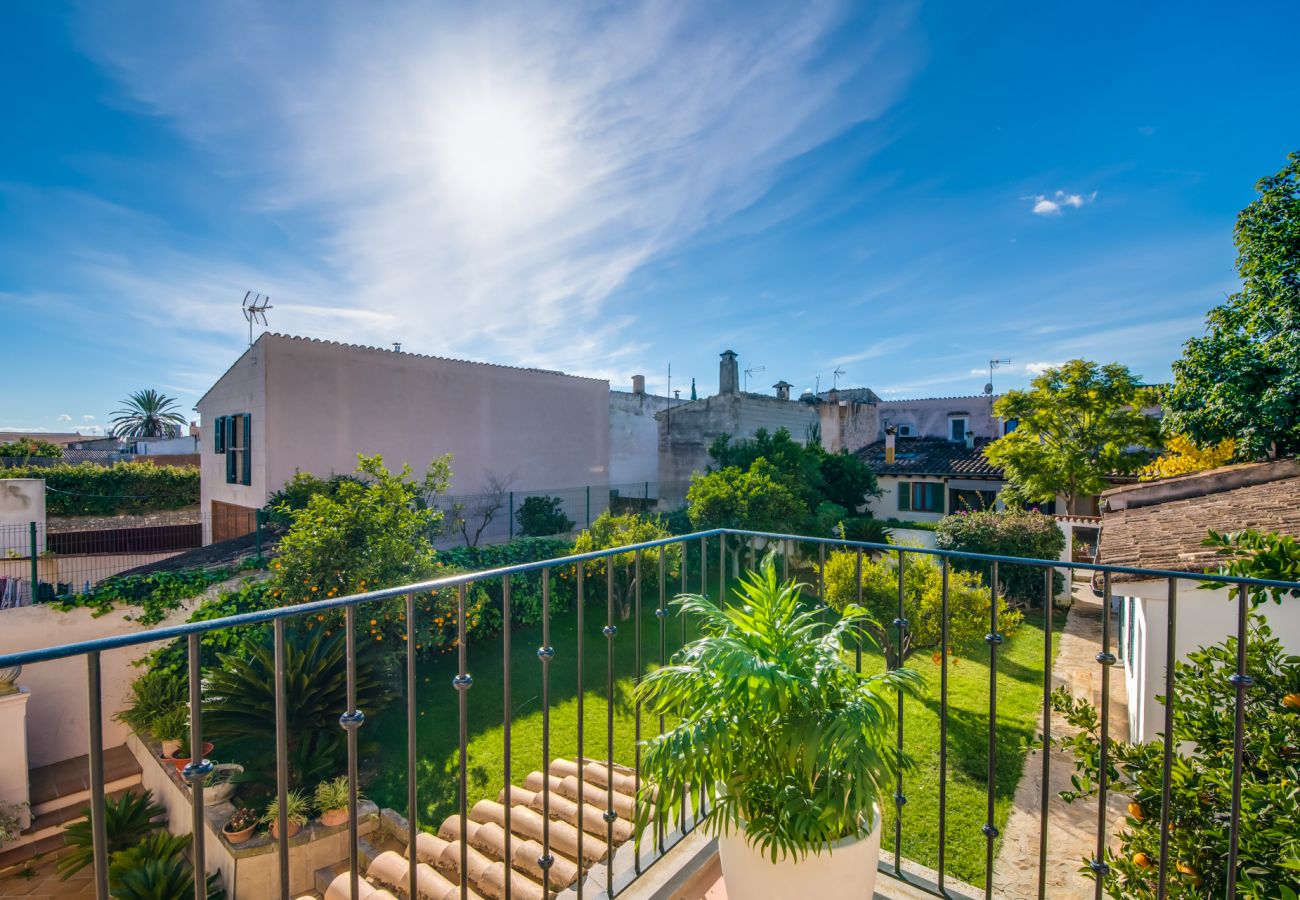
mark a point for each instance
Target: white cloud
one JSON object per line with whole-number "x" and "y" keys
{"x": 1038, "y": 368}
{"x": 1058, "y": 202}
{"x": 91, "y": 430}
{"x": 65, "y": 418}
{"x": 482, "y": 181}
{"x": 88, "y": 418}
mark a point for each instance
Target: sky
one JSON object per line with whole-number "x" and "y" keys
{"x": 885, "y": 195}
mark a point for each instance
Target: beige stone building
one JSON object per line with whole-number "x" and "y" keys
{"x": 291, "y": 403}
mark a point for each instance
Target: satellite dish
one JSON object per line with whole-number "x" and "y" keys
{"x": 988, "y": 388}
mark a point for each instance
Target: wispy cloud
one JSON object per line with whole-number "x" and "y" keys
{"x": 1059, "y": 202}
{"x": 483, "y": 182}
{"x": 64, "y": 417}
{"x": 1038, "y": 368}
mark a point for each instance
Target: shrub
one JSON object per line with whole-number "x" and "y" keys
{"x": 825, "y": 518}
{"x": 169, "y": 878}
{"x": 26, "y": 448}
{"x": 154, "y": 694}
{"x": 127, "y": 820}
{"x": 90, "y": 490}
{"x": 863, "y": 528}
{"x": 1012, "y": 532}
{"x": 1201, "y": 786}
{"x": 609, "y": 531}
{"x": 297, "y": 809}
{"x": 968, "y": 602}
{"x": 333, "y": 794}
{"x": 156, "y": 593}
{"x": 297, "y": 493}
{"x": 756, "y": 499}
{"x": 157, "y": 846}
{"x": 768, "y": 708}
{"x": 540, "y": 516}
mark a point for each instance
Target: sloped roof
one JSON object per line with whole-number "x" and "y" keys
{"x": 1160, "y": 524}
{"x": 930, "y": 456}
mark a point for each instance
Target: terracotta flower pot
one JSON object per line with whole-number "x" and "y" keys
{"x": 847, "y": 872}
{"x": 169, "y": 748}
{"x": 181, "y": 762}
{"x": 331, "y": 817}
{"x": 238, "y": 837}
{"x": 294, "y": 828}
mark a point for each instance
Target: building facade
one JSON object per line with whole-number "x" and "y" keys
{"x": 634, "y": 435}
{"x": 295, "y": 404}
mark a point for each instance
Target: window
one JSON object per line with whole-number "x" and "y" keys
{"x": 219, "y": 435}
{"x": 234, "y": 431}
{"x": 971, "y": 501}
{"x": 920, "y": 496}
{"x": 1010, "y": 425}
{"x": 905, "y": 431}
{"x": 957, "y": 429}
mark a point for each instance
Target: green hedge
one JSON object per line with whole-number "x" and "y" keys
{"x": 1011, "y": 532}
{"x": 86, "y": 489}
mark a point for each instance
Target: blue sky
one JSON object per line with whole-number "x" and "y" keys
{"x": 901, "y": 191}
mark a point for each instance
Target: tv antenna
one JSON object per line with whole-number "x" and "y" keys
{"x": 752, "y": 370}
{"x": 835, "y": 383}
{"x": 255, "y": 306}
{"x": 994, "y": 364}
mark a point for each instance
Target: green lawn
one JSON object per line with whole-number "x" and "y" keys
{"x": 1019, "y": 695}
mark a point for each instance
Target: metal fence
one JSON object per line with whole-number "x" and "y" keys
{"x": 70, "y": 457}
{"x": 699, "y": 549}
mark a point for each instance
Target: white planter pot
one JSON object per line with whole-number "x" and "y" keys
{"x": 847, "y": 872}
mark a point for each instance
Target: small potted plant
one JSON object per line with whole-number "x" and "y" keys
{"x": 297, "y": 811}
{"x": 169, "y": 728}
{"x": 332, "y": 801}
{"x": 221, "y": 784}
{"x": 182, "y": 757}
{"x": 792, "y": 747}
{"x": 240, "y": 826}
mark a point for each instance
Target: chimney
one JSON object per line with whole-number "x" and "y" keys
{"x": 970, "y": 440}
{"x": 638, "y": 384}
{"x": 889, "y": 444}
{"x": 783, "y": 390}
{"x": 728, "y": 374}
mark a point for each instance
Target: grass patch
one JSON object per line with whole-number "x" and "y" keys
{"x": 1019, "y": 705}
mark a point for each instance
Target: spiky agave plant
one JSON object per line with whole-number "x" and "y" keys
{"x": 774, "y": 726}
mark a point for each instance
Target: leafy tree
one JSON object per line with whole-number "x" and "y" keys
{"x": 610, "y": 531}
{"x": 1012, "y": 532}
{"x": 1182, "y": 457}
{"x": 297, "y": 492}
{"x": 847, "y": 480}
{"x": 814, "y": 475}
{"x": 1268, "y": 865}
{"x": 148, "y": 414}
{"x": 26, "y": 448}
{"x": 757, "y": 498}
{"x": 968, "y": 602}
{"x": 371, "y": 532}
{"x": 1079, "y": 423}
{"x": 1252, "y": 554}
{"x": 239, "y": 705}
{"x": 1241, "y": 379}
{"x": 542, "y": 516}
{"x": 768, "y": 710}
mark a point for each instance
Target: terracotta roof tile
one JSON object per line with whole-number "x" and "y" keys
{"x": 931, "y": 456}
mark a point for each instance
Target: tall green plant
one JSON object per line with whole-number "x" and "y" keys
{"x": 774, "y": 725}
{"x": 610, "y": 531}
{"x": 148, "y": 414}
{"x": 127, "y": 820}
{"x": 1010, "y": 532}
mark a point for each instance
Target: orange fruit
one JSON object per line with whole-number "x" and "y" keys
{"x": 1135, "y": 810}
{"x": 1141, "y": 860}
{"x": 1291, "y": 701}
{"x": 1185, "y": 869}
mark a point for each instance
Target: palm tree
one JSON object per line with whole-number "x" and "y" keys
{"x": 147, "y": 414}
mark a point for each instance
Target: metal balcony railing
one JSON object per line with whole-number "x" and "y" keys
{"x": 352, "y": 719}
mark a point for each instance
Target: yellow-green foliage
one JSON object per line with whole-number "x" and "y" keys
{"x": 609, "y": 531}
{"x": 1182, "y": 457}
{"x": 968, "y": 601}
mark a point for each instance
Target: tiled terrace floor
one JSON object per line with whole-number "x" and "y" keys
{"x": 40, "y": 881}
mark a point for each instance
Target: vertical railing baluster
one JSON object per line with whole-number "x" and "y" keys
{"x": 994, "y": 639}
{"x": 609, "y": 631}
{"x": 943, "y": 718}
{"x": 785, "y": 560}
{"x": 722, "y": 569}
{"x": 661, "y": 613}
{"x": 1098, "y": 864}
{"x": 196, "y": 771}
{"x": 686, "y": 552}
{"x": 1049, "y": 598}
{"x": 412, "y": 798}
{"x": 753, "y": 554}
{"x": 462, "y": 683}
{"x": 900, "y": 623}
{"x": 702, "y": 806}
{"x": 281, "y": 758}
{"x": 821, "y": 575}
{"x": 351, "y": 721}
{"x": 1240, "y": 681}
{"x": 857, "y": 663}
{"x": 546, "y": 653}
{"x": 98, "y": 829}
{"x": 1171, "y": 656}
{"x": 505, "y": 715}
{"x": 636, "y": 678}
{"x": 582, "y": 639}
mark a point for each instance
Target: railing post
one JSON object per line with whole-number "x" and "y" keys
{"x": 1099, "y": 867}
{"x": 901, "y": 624}
{"x": 943, "y": 718}
{"x": 610, "y": 630}
{"x": 412, "y": 772}
{"x": 281, "y": 757}
{"x": 546, "y": 653}
{"x": 351, "y": 721}
{"x": 994, "y": 639}
{"x": 1049, "y": 597}
{"x": 1171, "y": 656}
{"x": 196, "y": 771}
{"x": 36, "y": 571}
{"x": 1240, "y": 681}
{"x": 98, "y": 830}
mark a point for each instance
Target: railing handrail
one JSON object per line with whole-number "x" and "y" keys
{"x": 258, "y": 617}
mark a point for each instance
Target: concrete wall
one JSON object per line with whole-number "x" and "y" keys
{"x": 22, "y": 501}
{"x": 316, "y": 405}
{"x": 886, "y": 505}
{"x": 849, "y": 424}
{"x": 1204, "y": 618}
{"x": 929, "y": 417}
{"x": 634, "y": 436}
{"x": 178, "y": 446}
{"x": 57, "y": 723}
{"x": 686, "y": 431}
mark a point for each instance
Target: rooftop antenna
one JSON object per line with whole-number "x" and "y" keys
{"x": 752, "y": 370}
{"x": 255, "y": 306}
{"x": 397, "y": 346}
{"x": 994, "y": 364}
{"x": 837, "y": 373}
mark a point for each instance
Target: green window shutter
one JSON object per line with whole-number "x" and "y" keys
{"x": 219, "y": 435}
{"x": 905, "y": 496}
{"x": 248, "y": 451}
{"x": 232, "y": 459}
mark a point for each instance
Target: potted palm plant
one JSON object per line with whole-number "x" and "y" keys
{"x": 297, "y": 811}
{"x": 791, "y": 746}
{"x": 332, "y": 801}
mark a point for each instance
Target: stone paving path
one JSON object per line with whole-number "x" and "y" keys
{"x": 1071, "y": 828}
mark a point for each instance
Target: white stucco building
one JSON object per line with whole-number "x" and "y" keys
{"x": 291, "y": 403}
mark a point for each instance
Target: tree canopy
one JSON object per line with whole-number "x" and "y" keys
{"x": 148, "y": 414}
{"x": 1241, "y": 380}
{"x": 1078, "y": 423}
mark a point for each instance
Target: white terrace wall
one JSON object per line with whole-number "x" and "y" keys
{"x": 22, "y": 501}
